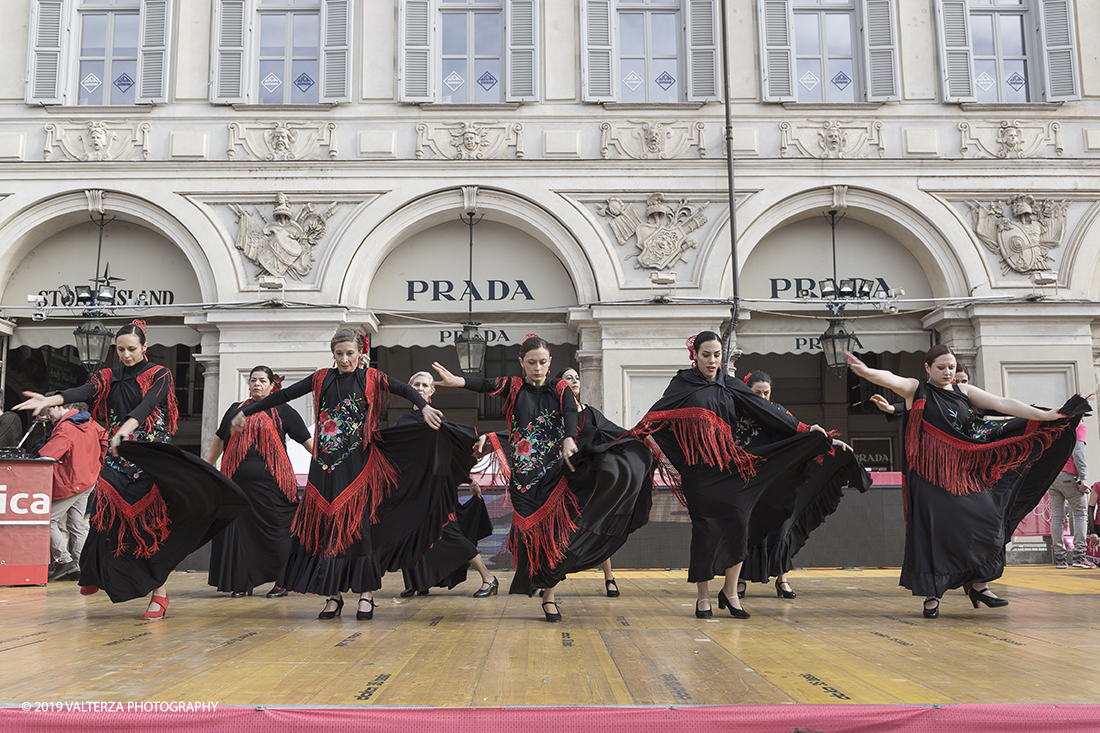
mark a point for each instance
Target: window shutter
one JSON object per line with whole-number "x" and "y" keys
{"x": 230, "y": 62}
{"x": 336, "y": 51}
{"x": 1059, "y": 51}
{"x": 522, "y": 51}
{"x": 880, "y": 50}
{"x": 153, "y": 63}
{"x": 703, "y": 55}
{"x": 776, "y": 25}
{"x": 414, "y": 31}
{"x": 956, "y": 65}
{"x": 598, "y": 58}
{"x": 45, "y": 80}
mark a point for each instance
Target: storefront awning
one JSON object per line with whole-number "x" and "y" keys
{"x": 769, "y": 333}
{"x": 504, "y": 334}
{"x": 36, "y": 336}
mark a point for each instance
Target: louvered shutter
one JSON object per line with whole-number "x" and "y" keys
{"x": 598, "y": 58}
{"x": 230, "y": 63}
{"x": 956, "y": 57}
{"x": 414, "y": 32}
{"x": 1059, "y": 51}
{"x": 776, "y": 26}
{"x": 703, "y": 53}
{"x": 46, "y": 60}
{"x": 880, "y": 50}
{"x": 153, "y": 61}
{"x": 336, "y": 51}
{"x": 521, "y": 61}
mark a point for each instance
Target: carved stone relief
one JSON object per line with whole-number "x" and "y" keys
{"x": 281, "y": 140}
{"x": 662, "y": 235}
{"x": 470, "y": 140}
{"x": 282, "y": 245}
{"x": 1024, "y": 235}
{"x": 832, "y": 138}
{"x": 652, "y": 140}
{"x": 1009, "y": 138}
{"x": 97, "y": 140}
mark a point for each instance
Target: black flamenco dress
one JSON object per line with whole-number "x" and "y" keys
{"x": 448, "y": 561}
{"x": 806, "y": 508}
{"x": 562, "y": 521}
{"x": 968, "y": 482}
{"x": 376, "y": 500}
{"x": 147, "y": 518}
{"x": 252, "y": 550}
{"x": 736, "y": 495}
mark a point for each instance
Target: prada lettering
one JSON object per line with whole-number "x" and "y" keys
{"x": 437, "y": 290}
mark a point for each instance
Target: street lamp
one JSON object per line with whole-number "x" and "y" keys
{"x": 470, "y": 344}
{"x": 834, "y": 342}
{"x": 93, "y": 338}
{"x": 93, "y": 342}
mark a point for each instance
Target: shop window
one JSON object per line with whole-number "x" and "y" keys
{"x": 860, "y": 390}
{"x": 1007, "y": 51}
{"x": 828, "y": 51}
{"x": 649, "y": 51}
{"x": 468, "y": 51}
{"x": 282, "y": 51}
{"x": 500, "y": 361}
{"x": 118, "y": 54}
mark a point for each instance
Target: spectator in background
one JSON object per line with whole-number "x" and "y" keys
{"x": 1070, "y": 488}
{"x": 962, "y": 376}
{"x": 79, "y": 444}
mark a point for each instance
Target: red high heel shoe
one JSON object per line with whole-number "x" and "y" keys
{"x": 87, "y": 590}
{"x": 161, "y": 601}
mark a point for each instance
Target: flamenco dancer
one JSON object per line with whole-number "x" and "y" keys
{"x": 253, "y": 549}
{"x": 774, "y": 555}
{"x": 737, "y": 489}
{"x": 375, "y": 500}
{"x": 594, "y": 429}
{"x": 148, "y": 517}
{"x": 446, "y": 563}
{"x": 968, "y": 480}
{"x": 560, "y": 524}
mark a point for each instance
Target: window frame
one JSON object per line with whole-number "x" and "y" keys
{"x": 469, "y": 11}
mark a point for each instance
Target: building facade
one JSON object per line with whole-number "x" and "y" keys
{"x": 270, "y": 170}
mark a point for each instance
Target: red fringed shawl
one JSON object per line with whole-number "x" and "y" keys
{"x": 547, "y": 531}
{"x": 261, "y": 431}
{"x": 169, "y": 408}
{"x": 963, "y": 467}
{"x": 328, "y": 528}
{"x": 702, "y": 436}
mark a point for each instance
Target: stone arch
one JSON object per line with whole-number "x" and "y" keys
{"x": 426, "y": 211}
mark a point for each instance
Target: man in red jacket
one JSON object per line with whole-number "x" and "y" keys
{"x": 79, "y": 443}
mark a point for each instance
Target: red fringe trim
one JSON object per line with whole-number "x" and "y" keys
{"x": 101, "y": 381}
{"x": 146, "y": 521}
{"x": 965, "y": 468}
{"x": 169, "y": 406}
{"x": 261, "y": 432}
{"x": 703, "y": 437}
{"x": 547, "y": 532}
{"x": 508, "y": 387}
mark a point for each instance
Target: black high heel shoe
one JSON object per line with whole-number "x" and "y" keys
{"x": 780, "y": 593}
{"x": 724, "y": 602}
{"x": 980, "y": 596}
{"x": 487, "y": 589}
{"x": 551, "y": 617}
{"x": 277, "y": 592}
{"x": 240, "y": 593}
{"x": 700, "y": 613}
{"x": 742, "y": 588}
{"x": 326, "y": 615}
{"x": 365, "y": 615}
{"x": 934, "y": 611}
{"x": 608, "y": 582}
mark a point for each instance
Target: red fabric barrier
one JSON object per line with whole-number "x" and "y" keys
{"x": 1008, "y": 718}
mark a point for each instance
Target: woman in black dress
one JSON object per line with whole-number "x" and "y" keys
{"x": 372, "y": 503}
{"x": 737, "y": 489}
{"x": 560, "y": 524}
{"x": 446, "y": 563}
{"x": 141, "y": 528}
{"x": 252, "y": 550}
{"x": 968, "y": 480}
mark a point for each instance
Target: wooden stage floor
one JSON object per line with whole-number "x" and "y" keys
{"x": 851, "y": 637}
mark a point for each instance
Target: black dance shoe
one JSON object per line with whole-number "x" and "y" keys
{"x": 724, "y": 602}
{"x": 612, "y": 587}
{"x": 487, "y": 589}
{"x": 551, "y": 617}
{"x": 934, "y": 611}
{"x": 980, "y": 596}
{"x": 277, "y": 592}
{"x": 408, "y": 593}
{"x": 781, "y": 593}
{"x": 365, "y": 615}
{"x": 742, "y": 588}
{"x": 326, "y": 615}
{"x": 701, "y": 613}
{"x": 240, "y": 593}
